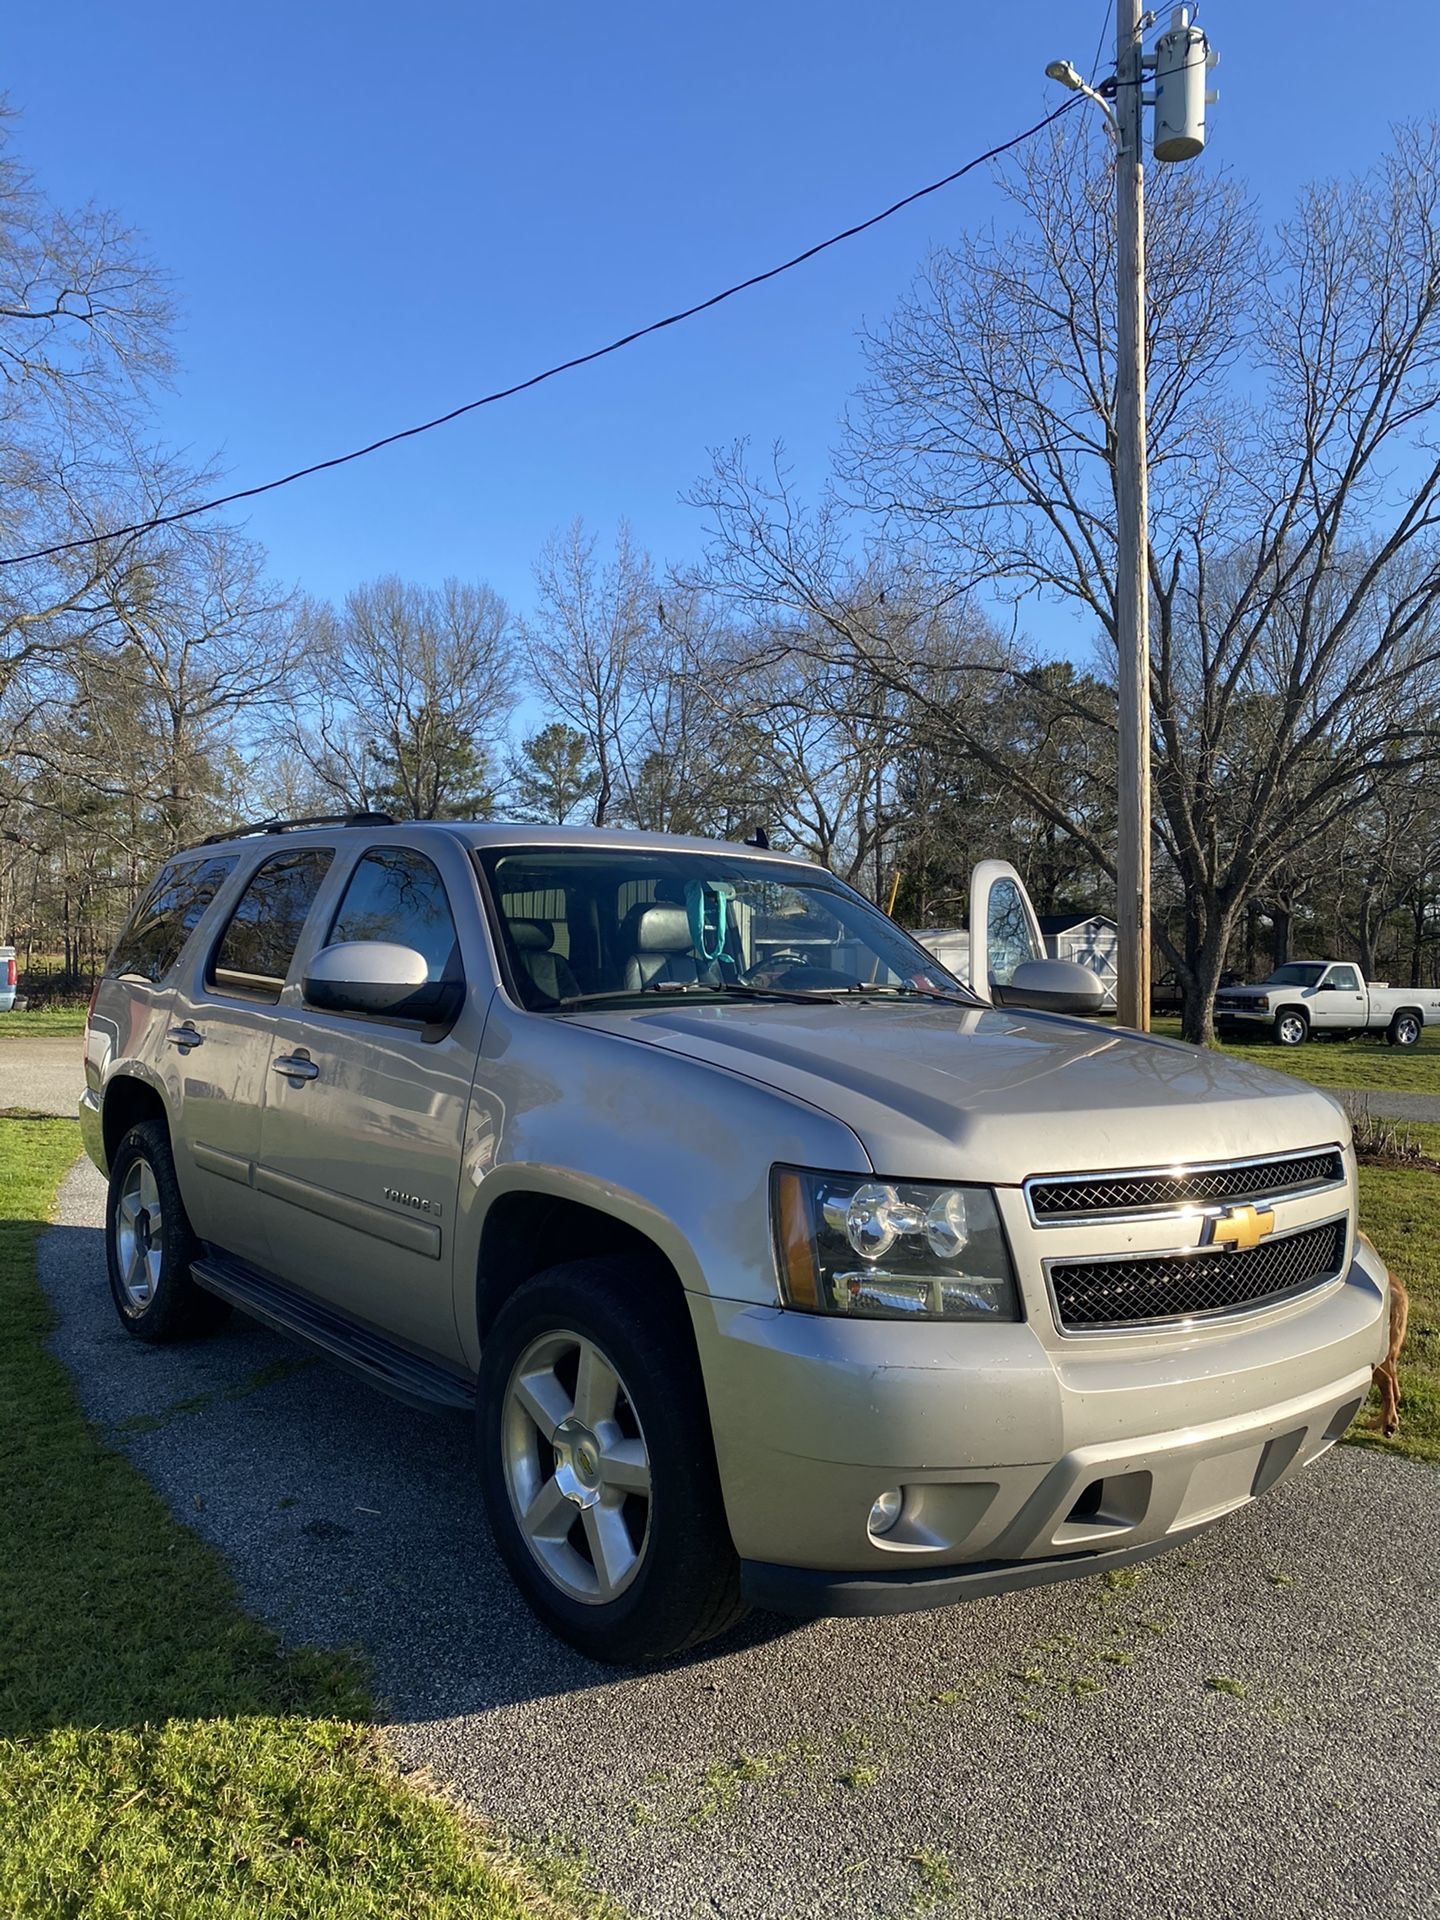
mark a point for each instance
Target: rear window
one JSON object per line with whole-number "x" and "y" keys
{"x": 259, "y": 943}
{"x": 167, "y": 916}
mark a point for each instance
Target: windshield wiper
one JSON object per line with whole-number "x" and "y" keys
{"x": 679, "y": 988}
{"x": 889, "y": 988}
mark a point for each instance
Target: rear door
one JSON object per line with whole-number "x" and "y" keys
{"x": 364, "y": 1116}
{"x": 220, "y": 1030}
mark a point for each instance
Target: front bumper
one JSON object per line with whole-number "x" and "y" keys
{"x": 1021, "y": 1462}
{"x": 811, "y": 1594}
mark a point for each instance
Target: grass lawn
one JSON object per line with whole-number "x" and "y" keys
{"x": 1367, "y": 1063}
{"x": 47, "y": 1023}
{"x": 160, "y": 1753}
{"x": 1400, "y": 1210}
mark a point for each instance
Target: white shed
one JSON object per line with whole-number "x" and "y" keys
{"x": 1089, "y": 939}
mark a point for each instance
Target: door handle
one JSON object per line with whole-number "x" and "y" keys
{"x": 186, "y": 1037}
{"x": 296, "y": 1066}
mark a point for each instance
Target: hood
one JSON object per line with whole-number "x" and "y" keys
{"x": 1253, "y": 993}
{"x": 936, "y": 1092}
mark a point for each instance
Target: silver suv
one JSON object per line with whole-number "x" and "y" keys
{"x": 774, "y": 1264}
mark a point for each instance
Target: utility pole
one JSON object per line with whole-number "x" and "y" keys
{"x": 1181, "y": 60}
{"x": 1132, "y": 593}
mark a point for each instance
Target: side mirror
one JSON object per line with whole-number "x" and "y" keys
{"x": 376, "y": 976}
{"x": 1053, "y": 986}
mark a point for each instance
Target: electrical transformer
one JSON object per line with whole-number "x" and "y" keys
{"x": 1183, "y": 58}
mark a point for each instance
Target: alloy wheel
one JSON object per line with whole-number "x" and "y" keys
{"x": 139, "y": 1235}
{"x": 576, "y": 1467}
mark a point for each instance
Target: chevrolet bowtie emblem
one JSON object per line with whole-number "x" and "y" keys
{"x": 1240, "y": 1227}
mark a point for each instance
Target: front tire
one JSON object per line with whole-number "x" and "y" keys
{"x": 1291, "y": 1029}
{"x": 597, "y": 1465}
{"x": 149, "y": 1246}
{"x": 1405, "y": 1030}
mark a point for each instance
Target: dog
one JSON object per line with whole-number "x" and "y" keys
{"x": 1387, "y": 1374}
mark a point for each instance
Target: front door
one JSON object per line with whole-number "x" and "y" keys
{"x": 364, "y": 1116}
{"x": 1339, "y": 1000}
{"x": 1004, "y": 932}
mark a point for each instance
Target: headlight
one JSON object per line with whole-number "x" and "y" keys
{"x": 891, "y": 1249}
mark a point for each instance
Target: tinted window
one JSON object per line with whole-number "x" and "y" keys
{"x": 255, "y": 952}
{"x": 166, "y": 917}
{"x": 399, "y": 896}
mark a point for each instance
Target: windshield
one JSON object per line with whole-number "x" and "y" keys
{"x": 1297, "y": 973}
{"x": 583, "y": 922}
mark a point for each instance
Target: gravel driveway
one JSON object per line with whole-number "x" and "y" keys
{"x": 1245, "y": 1731}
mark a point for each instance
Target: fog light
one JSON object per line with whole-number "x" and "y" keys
{"x": 886, "y": 1510}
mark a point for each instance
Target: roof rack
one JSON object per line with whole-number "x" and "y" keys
{"x": 294, "y": 826}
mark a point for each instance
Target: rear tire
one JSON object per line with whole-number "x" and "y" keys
{"x": 149, "y": 1245}
{"x": 597, "y": 1464}
{"x": 1405, "y": 1030}
{"x": 1291, "y": 1028}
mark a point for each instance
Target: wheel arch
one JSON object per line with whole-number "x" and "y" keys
{"x": 1292, "y": 1010}
{"x": 1415, "y": 1013}
{"x": 528, "y": 1228}
{"x": 128, "y": 1100}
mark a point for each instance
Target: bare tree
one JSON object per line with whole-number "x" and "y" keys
{"x": 415, "y": 688}
{"x": 199, "y": 649}
{"x": 84, "y": 338}
{"x": 592, "y": 632}
{"x": 1295, "y": 487}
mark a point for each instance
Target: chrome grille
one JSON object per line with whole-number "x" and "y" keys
{"x": 1093, "y": 1294}
{"x": 1081, "y": 1196}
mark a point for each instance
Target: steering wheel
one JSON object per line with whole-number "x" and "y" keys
{"x": 782, "y": 957}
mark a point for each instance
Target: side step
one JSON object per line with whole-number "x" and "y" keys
{"x": 419, "y": 1382}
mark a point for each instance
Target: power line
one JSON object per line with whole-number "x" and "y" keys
{"x": 565, "y": 366}
{"x": 1100, "y": 43}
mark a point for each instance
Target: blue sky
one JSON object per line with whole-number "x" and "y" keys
{"x": 371, "y": 213}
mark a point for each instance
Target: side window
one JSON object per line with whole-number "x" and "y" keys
{"x": 258, "y": 945}
{"x": 399, "y": 896}
{"x": 1344, "y": 978}
{"x": 167, "y": 916}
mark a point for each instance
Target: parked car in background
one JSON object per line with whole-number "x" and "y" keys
{"x": 772, "y": 1264}
{"x": 8, "y": 978}
{"x": 1326, "y": 996}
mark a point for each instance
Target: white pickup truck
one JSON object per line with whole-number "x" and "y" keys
{"x": 1326, "y": 996}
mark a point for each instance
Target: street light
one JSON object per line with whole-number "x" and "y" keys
{"x": 1180, "y": 58}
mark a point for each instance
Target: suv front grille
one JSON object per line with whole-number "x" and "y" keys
{"x": 1081, "y": 1196}
{"x": 1091, "y": 1295}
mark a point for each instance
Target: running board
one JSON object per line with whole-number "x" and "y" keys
{"x": 407, "y": 1376}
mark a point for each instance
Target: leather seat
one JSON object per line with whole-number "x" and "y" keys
{"x": 656, "y": 940}
{"x": 549, "y": 972}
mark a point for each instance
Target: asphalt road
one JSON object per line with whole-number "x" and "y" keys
{"x": 41, "y": 1076}
{"x": 1247, "y": 1731}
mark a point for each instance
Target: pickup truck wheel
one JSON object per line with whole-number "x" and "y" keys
{"x": 1405, "y": 1030}
{"x": 597, "y": 1465}
{"x": 149, "y": 1245}
{"x": 1291, "y": 1029}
